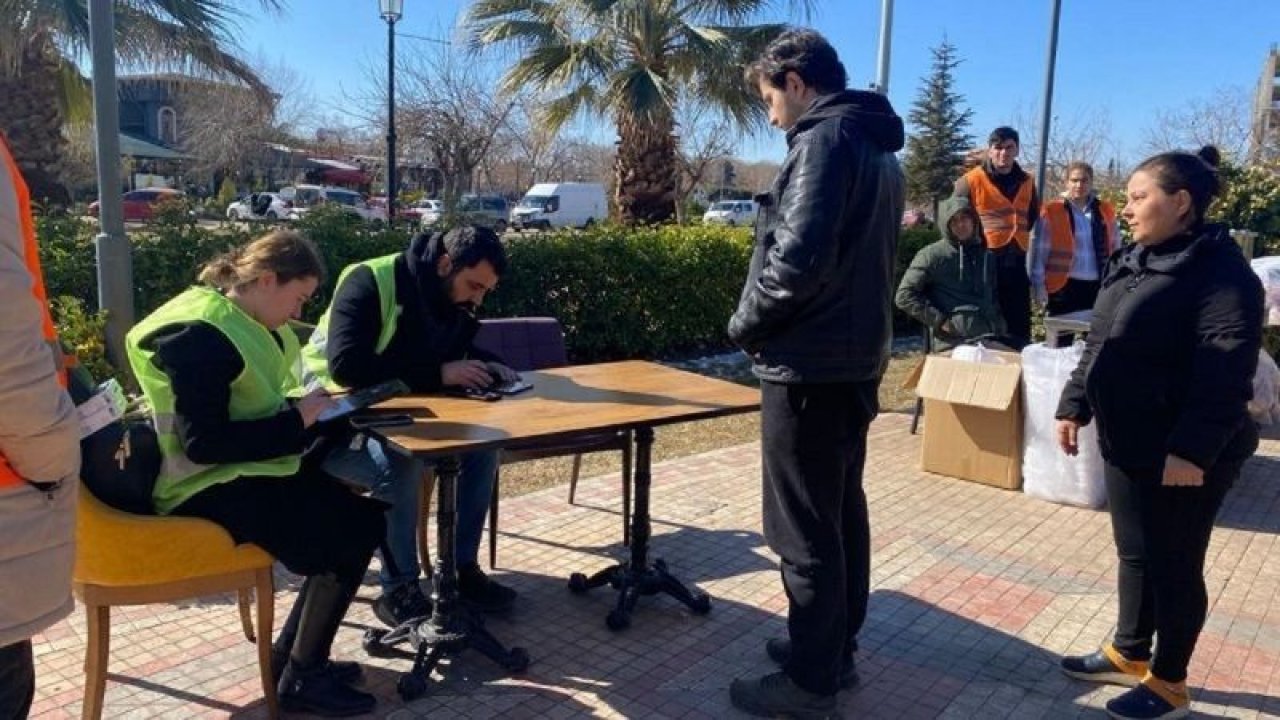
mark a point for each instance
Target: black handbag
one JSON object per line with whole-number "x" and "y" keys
{"x": 120, "y": 464}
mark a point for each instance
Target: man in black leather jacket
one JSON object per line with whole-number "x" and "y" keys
{"x": 815, "y": 318}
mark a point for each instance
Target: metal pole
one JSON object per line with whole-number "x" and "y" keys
{"x": 886, "y": 41}
{"x": 115, "y": 264}
{"x": 1042, "y": 161}
{"x": 391, "y": 121}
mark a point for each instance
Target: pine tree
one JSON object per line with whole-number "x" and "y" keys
{"x": 935, "y": 153}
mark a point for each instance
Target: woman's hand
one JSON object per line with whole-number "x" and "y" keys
{"x": 312, "y": 404}
{"x": 1068, "y": 430}
{"x": 1181, "y": 473}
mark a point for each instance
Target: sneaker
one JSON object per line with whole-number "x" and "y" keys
{"x": 482, "y": 592}
{"x": 779, "y": 651}
{"x": 1152, "y": 699}
{"x": 1105, "y": 666}
{"x": 777, "y": 696}
{"x": 401, "y": 604}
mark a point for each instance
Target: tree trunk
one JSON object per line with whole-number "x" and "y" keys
{"x": 645, "y": 170}
{"x": 31, "y": 119}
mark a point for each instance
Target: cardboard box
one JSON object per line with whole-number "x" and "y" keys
{"x": 973, "y": 419}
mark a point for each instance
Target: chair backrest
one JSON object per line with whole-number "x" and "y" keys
{"x": 524, "y": 343}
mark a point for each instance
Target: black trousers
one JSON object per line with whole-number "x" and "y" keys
{"x": 1162, "y": 534}
{"x": 309, "y": 522}
{"x": 1075, "y": 296}
{"x": 814, "y": 446}
{"x": 1013, "y": 292}
{"x": 17, "y": 680}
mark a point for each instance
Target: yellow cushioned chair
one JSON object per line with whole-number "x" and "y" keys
{"x": 125, "y": 559}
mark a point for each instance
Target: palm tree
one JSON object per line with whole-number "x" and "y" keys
{"x": 630, "y": 61}
{"x": 41, "y": 86}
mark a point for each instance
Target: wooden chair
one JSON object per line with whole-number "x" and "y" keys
{"x": 534, "y": 343}
{"x": 125, "y": 559}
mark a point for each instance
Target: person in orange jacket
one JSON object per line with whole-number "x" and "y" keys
{"x": 39, "y": 452}
{"x": 1076, "y": 234}
{"x": 1008, "y": 205}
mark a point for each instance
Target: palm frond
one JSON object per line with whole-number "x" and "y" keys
{"x": 736, "y": 12}
{"x": 149, "y": 42}
{"x": 75, "y": 93}
{"x": 558, "y": 111}
{"x": 641, "y": 93}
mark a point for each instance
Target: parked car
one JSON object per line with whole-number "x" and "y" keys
{"x": 378, "y": 206}
{"x": 431, "y": 213}
{"x": 141, "y": 204}
{"x": 418, "y": 211}
{"x": 558, "y": 205}
{"x": 731, "y": 213}
{"x": 486, "y": 210}
{"x": 259, "y": 206}
{"x": 305, "y": 197}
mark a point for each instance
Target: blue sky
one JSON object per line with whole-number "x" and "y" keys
{"x": 1122, "y": 60}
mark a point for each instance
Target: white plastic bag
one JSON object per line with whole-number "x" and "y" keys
{"x": 1268, "y": 271}
{"x": 1264, "y": 408}
{"x": 977, "y": 353}
{"x": 1047, "y": 472}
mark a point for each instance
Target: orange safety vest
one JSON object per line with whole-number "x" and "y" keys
{"x": 1002, "y": 220}
{"x": 1062, "y": 242}
{"x": 13, "y": 189}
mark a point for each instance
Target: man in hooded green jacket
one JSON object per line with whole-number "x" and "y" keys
{"x": 950, "y": 286}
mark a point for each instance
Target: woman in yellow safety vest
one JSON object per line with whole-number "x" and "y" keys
{"x": 218, "y": 364}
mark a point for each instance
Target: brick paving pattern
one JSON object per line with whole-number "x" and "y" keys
{"x": 976, "y": 591}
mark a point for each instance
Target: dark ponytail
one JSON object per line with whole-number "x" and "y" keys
{"x": 1196, "y": 173}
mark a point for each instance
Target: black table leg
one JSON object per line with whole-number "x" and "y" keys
{"x": 451, "y": 627}
{"x": 637, "y": 576}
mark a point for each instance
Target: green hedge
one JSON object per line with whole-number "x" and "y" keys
{"x": 620, "y": 293}
{"x": 629, "y": 293}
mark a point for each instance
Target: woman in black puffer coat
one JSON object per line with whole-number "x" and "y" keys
{"x": 1167, "y": 374}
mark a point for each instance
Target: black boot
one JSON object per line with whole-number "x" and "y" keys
{"x": 342, "y": 670}
{"x": 307, "y": 685}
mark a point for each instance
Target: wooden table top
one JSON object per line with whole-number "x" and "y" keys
{"x": 565, "y": 402}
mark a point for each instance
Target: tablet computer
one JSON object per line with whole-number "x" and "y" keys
{"x": 361, "y": 399}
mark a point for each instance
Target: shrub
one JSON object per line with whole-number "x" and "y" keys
{"x": 83, "y": 334}
{"x": 226, "y": 193}
{"x": 629, "y": 292}
{"x": 910, "y": 242}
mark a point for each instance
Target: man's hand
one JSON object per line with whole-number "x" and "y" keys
{"x": 311, "y": 405}
{"x": 466, "y": 373}
{"x": 946, "y": 328}
{"x": 1181, "y": 473}
{"x": 502, "y": 372}
{"x": 1068, "y": 430}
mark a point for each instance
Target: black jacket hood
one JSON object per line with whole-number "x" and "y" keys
{"x": 420, "y": 260}
{"x": 871, "y": 111}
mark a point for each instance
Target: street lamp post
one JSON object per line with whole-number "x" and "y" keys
{"x": 1046, "y": 114}
{"x": 391, "y": 11}
{"x": 115, "y": 262}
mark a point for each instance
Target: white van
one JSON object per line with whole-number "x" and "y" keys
{"x": 558, "y": 205}
{"x": 731, "y": 213}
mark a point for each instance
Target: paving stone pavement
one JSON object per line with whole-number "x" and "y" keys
{"x": 976, "y": 591}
